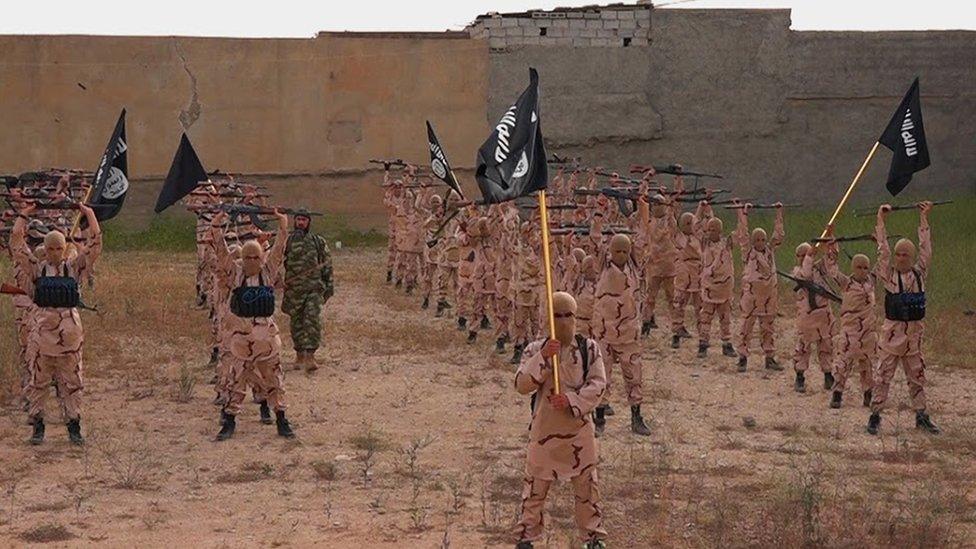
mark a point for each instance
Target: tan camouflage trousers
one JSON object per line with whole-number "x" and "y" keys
{"x": 654, "y": 286}
{"x": 806, "y": 338}
{"x": 408, "y": 268}
{"x": 525, "y": 323}
{"x": 708, "y": 312}
{"x": 855, "y": 350}
{"x": 586, "y": 495}
{"x": 428, "y": 273}
{"x": 628, "y": 357}
{"x": 914, "y": 366}
{"x": 766, "y": 334}
{"x": 65, "y": 372}
{"x": 23, "y": 331}
{"x": 472, "y": 304}
{"x": 445, "y": 282}
{"x": 254, "y": 360}
{"x": 681, "y": 300}
{"x": 502, "y": 312}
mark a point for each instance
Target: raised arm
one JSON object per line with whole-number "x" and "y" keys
{"x": 779, "y": 231}
{"x": 741, "y": 234}
{"x": 89, "y": 252}
{"x": 19, "y": 250}
{"x": 924, "y": 237}
{"x": 276, "y": 256}
{"x": 881, "y": 237}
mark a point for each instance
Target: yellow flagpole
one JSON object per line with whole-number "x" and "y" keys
{"x": 77, "y": 222}
{"x": 544, "y": 219}
{"x": 850, "y": 190}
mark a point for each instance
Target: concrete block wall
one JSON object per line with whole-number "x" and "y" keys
{"x": 608, "y": 26}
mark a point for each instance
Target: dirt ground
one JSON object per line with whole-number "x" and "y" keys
{"x": 407, "y": 437}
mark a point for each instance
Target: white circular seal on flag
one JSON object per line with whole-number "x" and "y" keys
{"x": 115, "y": 185}
{"x": 522, "y": 167}
{"x": 438, "y": 168}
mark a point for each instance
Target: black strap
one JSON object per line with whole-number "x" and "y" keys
{"x": 585, "y": 353}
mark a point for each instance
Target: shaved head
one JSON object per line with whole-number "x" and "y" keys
{"x": 686, "y": 222}
{"x": 803, "y": 249}
{"x": 714, "y": 229}
{"x": 579, "y": 254}
{"x": 759, "y": 239}
{"x": 54, "y": 247}
{"x": 860, "y": 267}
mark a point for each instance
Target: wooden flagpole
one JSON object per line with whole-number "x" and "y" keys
{"x": 544, "y": 218}
{"x": 850, "y": 190}
{"x": 74, "y": 227}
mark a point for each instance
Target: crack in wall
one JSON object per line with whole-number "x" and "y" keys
{"x": 192, "y": 112}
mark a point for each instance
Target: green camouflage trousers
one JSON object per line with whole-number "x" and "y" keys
{"x": 306, "y": 320}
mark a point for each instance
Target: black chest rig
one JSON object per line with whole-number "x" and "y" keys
{"x": 253, "y": 301}
{"x": 906, "y": 306}
{"x": 58, "y": 292}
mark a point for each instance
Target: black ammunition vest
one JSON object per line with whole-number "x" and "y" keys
{"x": 58, "y": 292}
{"x": 905, "y": 306}
{"x": 253, "y": 301}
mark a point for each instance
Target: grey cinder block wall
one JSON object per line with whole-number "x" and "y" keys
{"x": 784, "y": 114}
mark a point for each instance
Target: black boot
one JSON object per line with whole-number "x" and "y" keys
{"x": 867, "y": 398}
{"x": 599, "y": 420}
{"x": 728, "y": 351}
{"x": 74, "y": 432}
{"x": 683, "y": 332}
{"x": 637, "y": 424}
{"x": 924, "y": 422}
{"x": 472, "y": 337}
{"x": 608, "y": 410}
{"x": 409, "y": 290}
{"x": 517, "y": 353}
{"x": 645, "y": 329}
{"x": 441, "y": 307}
{"x": 484, "y": 323}
{"x": 214, "y": 355}
{"x": 389, "y": 276}
{"x": 524, "y": 545}
{"x": 702, "y": 350}
{"x": 398, "y": 283}
{"x": 653, "y": 323}
{"x": 771, "y": 364}
{"x": 743, "y": 362}
{"x": 835, "y": 401}
{"x": 800, "y": 385}
{"x": 828, "y": 381}
{"x": 266, "y": 413}
{"x": 227, "y": 426}
{"x": 284, "y": 428}
{"x": 675, "y": 341}
{"x": 462, "y": 323}
{"x": 873, "y": 423}
{"x": 38, "y": 436}
{"x": 426, "y": 303}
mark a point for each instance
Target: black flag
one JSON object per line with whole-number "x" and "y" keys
{"x": 438, "y": 161}
{"x": 185, "y": 173}
{"x": 512, "y": 162}
{"x": 905, "y": 136}
{"x": 112, "y": 177}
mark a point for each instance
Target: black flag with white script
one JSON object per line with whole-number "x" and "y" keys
{"x": 185, "y": 173}
{"x": 905, "y": 136}
{"x": 438, "y": 161}
{"x": 112, "y": 176}
{"x": 512, "y": 162}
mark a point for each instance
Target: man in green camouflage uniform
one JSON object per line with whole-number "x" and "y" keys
{"x": 308, "y": 285}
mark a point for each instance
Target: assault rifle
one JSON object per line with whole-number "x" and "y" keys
{"x": 695, "y": 200}
{"x": 760, "y": 206}
{"x": 586, "y": 231}
{"x": 811, "y": 288}
{"x": 901, "y": 207}
{"x": 858, "y": 238}
{"x": 672, "y": 169}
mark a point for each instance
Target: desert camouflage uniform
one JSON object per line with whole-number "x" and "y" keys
{"x": 562, "y": 445}
{"x": 759, "y": 300}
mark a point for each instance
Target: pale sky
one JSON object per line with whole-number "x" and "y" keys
{"x": 303, "y": 18}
